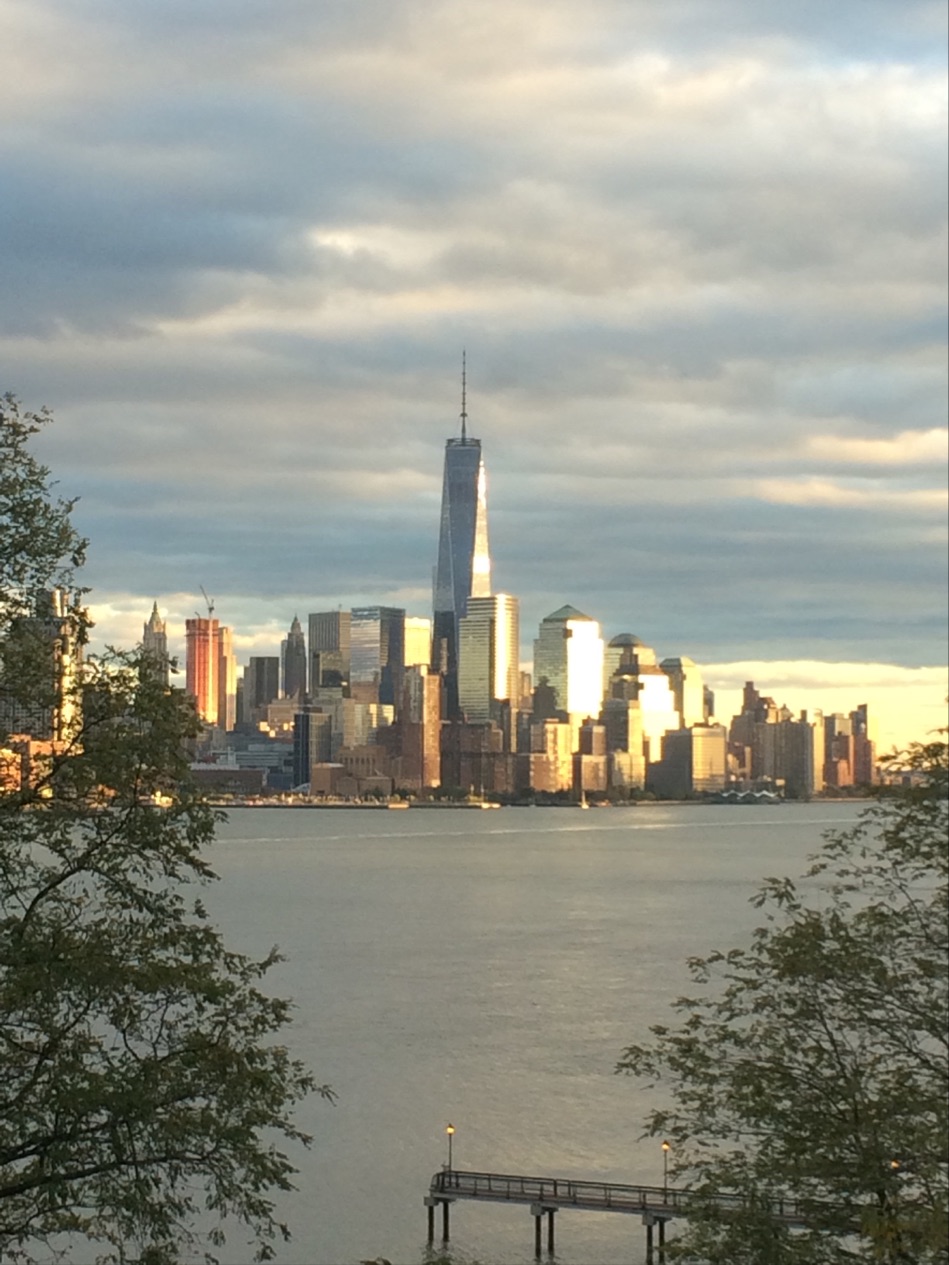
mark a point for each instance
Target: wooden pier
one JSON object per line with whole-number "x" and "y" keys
{"x": 546, "y": 1196}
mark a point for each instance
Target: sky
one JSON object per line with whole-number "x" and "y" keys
{"x": 694, "y": 252}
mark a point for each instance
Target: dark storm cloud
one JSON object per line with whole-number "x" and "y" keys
{"x": 696, "y": 253}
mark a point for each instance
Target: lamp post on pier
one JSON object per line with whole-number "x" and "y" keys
{"x": 666, "y": 1146}
{"x": 450, "y": 1132}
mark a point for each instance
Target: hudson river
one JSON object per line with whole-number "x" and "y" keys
{"x": 487, "y": 969}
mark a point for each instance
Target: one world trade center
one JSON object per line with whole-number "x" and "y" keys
{"x": 464, "y": 564}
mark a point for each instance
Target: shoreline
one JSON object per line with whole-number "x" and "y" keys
{"x": 402, "y": 805}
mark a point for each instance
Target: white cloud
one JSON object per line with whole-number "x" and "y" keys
{"x": 904, "y": 449}
{"x": 816, "y": 491}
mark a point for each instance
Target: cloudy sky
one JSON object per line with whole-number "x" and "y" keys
{"x": 695, "y": 250}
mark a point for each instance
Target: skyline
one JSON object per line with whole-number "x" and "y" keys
{"x": 696, "y": 256}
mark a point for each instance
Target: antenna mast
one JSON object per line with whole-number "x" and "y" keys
{"x": 464, "y": 398}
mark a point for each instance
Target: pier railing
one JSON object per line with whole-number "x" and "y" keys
{"x": 554, "y": 1193}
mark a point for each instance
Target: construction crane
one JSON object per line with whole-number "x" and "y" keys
{"x": 208, "y": 600}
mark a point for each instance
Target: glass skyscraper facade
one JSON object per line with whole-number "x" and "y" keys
{"x": 568, "y": 652}
{"x": 488, "y": 646}
{"x": 464, "y": 563}
{"x": 377, "y": 652}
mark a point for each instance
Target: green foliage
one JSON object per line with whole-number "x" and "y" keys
{"x": 812, "y": 1064}
{"x": 39, "y": 547}
{"x": 143, "y": 1089}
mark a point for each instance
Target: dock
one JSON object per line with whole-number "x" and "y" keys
{"x": 546, "y": 1196}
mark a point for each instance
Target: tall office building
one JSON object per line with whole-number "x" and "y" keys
{"x": 488, "y": 646}
{"x": 155, "y": 645}
{"x": 329, "y": 633}
{"x": 464, "y": 564}
{"x": 694, "y": 761}
{"x": 864, "y": 748}
{"x": 261, "y": 682}
{"x": 850, "y": 754}
{"x": 293, "y": 651}
{"x": 638, "y": 676}
{"x": 568, "y": 652}
{"x": 418, "y": 641}
{"x": 688, "y": 690}
{"x": 377, "y": 653}
{"x": 227, "y": 681}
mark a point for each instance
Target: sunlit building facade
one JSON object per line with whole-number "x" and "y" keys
{"x": 638, "y": 676}
{"x": 202, "y": 665}
{"x": 418, "y": 641}
{"x": 227, "y": 681}
{"x": 568, "y": 653}
{"x": 421, "y": 728}
{"x": 688, "y": 690}
{"x": 211, "y": 671}
{"x": 693, "y": 762}
{"x": 488, "y": 653}
{"x": 548, "y": 766}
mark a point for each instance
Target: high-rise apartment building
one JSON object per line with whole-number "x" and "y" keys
{"x": 464, "y": 564}
{"x": 155, "y": 645}
{"x": 548, "y": 766}
{"x": 329, "y": 635}
{"x": 488, "y": 654}
{"x": 293, "y": 651}
{"x": 377, "y": 653}
{"x": 211, "y": 671}
{"x": 421, "y": 728}
{"x": 202, "y": 665}
{"x": 568, "y": 653}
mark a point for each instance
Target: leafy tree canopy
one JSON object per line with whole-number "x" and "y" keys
{"x": 144, "y": 1090}
{"x": 812, "y": 1064}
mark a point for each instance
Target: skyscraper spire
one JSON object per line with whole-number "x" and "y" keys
{"x": 155, "y": 645}
{"x": 464, "y": 396}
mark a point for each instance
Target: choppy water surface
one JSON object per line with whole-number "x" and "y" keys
{"x": 485, "y": 968}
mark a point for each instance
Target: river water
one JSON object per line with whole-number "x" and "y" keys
{"x": 487, "y": 969}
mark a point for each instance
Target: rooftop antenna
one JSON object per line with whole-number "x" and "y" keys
{"x": 464, "y": 397}
{"x": 208, "y": 600}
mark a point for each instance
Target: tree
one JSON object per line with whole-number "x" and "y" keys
{"x": 143, "y": 1085}
{"x": 812, "y": 1063}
